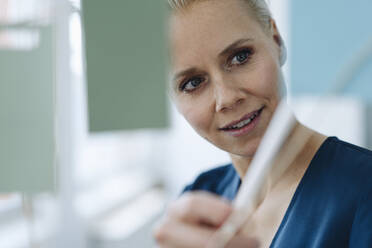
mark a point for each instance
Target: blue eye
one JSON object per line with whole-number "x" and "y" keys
{"x": 241, "y": 57}
{"x": 191, "y": 84}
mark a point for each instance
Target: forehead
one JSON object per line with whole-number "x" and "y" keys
{"x": 209, "y": 26}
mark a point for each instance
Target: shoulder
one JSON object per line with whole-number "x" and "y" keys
{"x": 348, "y": 167}
{"x": 343, "y": 146}
{"x": 352, "y": 166}
{"x": 349, "y": 157}
{"x": 222, "y": 180}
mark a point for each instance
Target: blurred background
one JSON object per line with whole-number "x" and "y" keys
{"x": 92, "y": 149}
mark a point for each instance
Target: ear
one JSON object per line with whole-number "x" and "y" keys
{"x": 279, "y": 41}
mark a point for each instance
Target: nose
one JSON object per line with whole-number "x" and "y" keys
{"x": 227, "y": 96}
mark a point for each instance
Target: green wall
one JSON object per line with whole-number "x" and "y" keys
{"x": 126, "y": 64}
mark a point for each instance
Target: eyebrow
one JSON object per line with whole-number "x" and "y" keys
{"x": 191, "y": 70}
{"x": 225, "y": 51}
{"x": 233, "y": 45}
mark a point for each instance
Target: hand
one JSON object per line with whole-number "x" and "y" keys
{"x": 192, "y": 220}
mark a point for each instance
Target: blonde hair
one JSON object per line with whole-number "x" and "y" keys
{"x": 259, "y": 9}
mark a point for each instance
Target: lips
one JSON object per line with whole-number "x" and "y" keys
{"x": 243, "y": 122}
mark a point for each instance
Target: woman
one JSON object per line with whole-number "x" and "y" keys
{"x": 226, "y": 59}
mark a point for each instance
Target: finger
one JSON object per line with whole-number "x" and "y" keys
{"x": 238, "y": 241}
{"x": 178, "y": 235}
{"x": 241, "y": 241}
{"x": 201, "y": 207}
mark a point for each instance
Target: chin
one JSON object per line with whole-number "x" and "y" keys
{"x": 246, "y": 150}
{"x": 251, "y": 147}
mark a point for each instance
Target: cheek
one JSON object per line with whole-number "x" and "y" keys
{"x": 269, "y": 81}
{"x": 197, "y": 115}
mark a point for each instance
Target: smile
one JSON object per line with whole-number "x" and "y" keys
{"x": 243, "y": 125}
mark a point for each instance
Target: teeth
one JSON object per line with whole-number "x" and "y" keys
{"x": 243, "y": 123}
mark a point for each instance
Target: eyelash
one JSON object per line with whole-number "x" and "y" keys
{"x": 248, "y": 52}
{"x": 183, "y": 85}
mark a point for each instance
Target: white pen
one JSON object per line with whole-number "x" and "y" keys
{"x": 248, "y": 196}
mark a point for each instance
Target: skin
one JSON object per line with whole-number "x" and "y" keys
{"x": 224, "y": 66}
{"x": 192, "y": 220}
{"x": 229, "y": 91}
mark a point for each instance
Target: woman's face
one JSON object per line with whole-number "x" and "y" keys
{"x": 225, "y": 73}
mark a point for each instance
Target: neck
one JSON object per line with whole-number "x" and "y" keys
{"x": 292, "y": 160}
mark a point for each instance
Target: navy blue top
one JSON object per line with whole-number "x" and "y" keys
{"x": 332, "y": 205}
